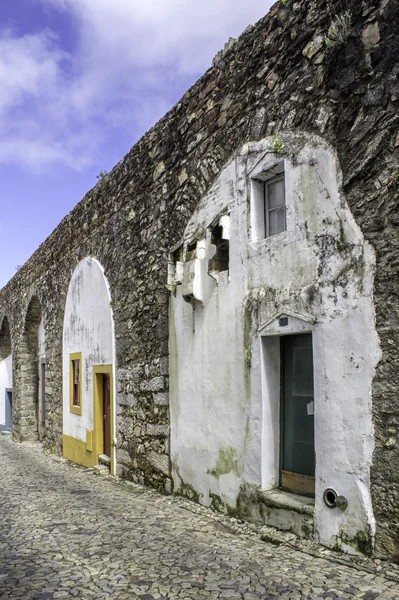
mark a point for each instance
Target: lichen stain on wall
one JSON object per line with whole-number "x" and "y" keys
{"x": 227, "y": 462}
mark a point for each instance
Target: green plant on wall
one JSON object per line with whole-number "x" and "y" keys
{"x": 339, "y": 29}
{"x": 101, "y": 175}
{"x": 277, "y": 145}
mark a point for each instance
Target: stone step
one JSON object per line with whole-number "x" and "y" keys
{"x": 287, "y": 512}
{"x": 104, "y": 459}
{"x": 101, "y": 470}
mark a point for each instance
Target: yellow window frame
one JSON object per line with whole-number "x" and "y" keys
{"x": 76, "y": 410}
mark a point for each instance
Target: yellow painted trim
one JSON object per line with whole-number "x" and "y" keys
{"x": 89, "y": 440}
{"x": 98, "y": 439}
{"x": 76, "y": 410}
{"x": 76, "y": 451}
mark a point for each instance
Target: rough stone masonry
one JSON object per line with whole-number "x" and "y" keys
{"x": 278, "y": 76}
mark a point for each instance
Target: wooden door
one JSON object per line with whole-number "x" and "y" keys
{"x": 297, "y": 414}
{"x": 107, "y": 413}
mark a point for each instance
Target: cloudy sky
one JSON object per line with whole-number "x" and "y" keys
{"x": 80, "y": 82}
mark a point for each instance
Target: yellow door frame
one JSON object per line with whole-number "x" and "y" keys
{"x": 98, "y": 437}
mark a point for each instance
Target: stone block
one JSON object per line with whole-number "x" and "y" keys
{"x": 164, "y": 365}
{"x": 371, "y": 36}
{"x": 123, "y": 457}
{"x": 313, "y": 46}
{"x": 160, "y": 462}
{"x": 161, "y": 399}
{"x": 153, "y": 385}
{"x": 154, "y": 429}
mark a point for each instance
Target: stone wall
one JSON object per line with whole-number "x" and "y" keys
{"x": 278, "y": 76}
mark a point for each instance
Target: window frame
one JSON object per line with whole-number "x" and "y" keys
{"x": 75, "y": 409}
{"x": 267, "y": 210}
{"x": 260, "y": 176}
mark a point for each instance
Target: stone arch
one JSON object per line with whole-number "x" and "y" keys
{"x": 27, "y": 371}
{"x": 5, "y": 339}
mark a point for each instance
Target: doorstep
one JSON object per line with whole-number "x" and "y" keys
{"x": 286, "y": 511}
{"x": 101, "y": 470}
{"x": 104, "y": 465}
{"x": 104, "y": 459}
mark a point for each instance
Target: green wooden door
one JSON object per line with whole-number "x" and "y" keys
{"x": 297, "y": 414}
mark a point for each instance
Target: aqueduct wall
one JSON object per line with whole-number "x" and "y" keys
{"x": 279, "y": 76}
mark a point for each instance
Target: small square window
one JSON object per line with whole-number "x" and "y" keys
{"x": 274, "y": 205}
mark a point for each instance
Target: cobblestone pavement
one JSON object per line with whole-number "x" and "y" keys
{"x": 67, "y": 533}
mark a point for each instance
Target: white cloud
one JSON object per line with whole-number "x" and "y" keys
{"x": 28, "y": 65}
{"x": 60, "y": 109}
{"x": 36, "y": 104}
{"x": 185, "y": 32}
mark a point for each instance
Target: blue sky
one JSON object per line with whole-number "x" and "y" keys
{"x": 81, "y": 81}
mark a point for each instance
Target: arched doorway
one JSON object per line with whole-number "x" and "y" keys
{"x": 5, "y": 377}
{"x": 28, "y": 372}
{"x": 89, "y": 368}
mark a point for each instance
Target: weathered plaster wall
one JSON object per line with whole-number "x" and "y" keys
{"x": 278, "y": 76}
{"x": 89, "y": 329}
{"x": 41, "y": 381}
{"x": 224, "y": 427}
{"x": 41, "y": 341}
{"x": 5, "y": 383}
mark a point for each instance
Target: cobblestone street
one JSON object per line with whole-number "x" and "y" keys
{"x": 68, "y": 533}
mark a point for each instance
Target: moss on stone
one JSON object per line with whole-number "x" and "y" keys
{"x": 361, "y": 542}
{"x": 218, "y": 505}
{"x": 188, "y": 491}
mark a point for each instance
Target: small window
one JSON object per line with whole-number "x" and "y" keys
{"x": 268, "y": 202}
{"x": 76, "y": 383}
{"x": 274, "y": 205}
{"x": 220, "y": 260}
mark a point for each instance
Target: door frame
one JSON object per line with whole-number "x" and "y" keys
{"x": 268, "y": 371}
{"x": 98, "y": 437}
